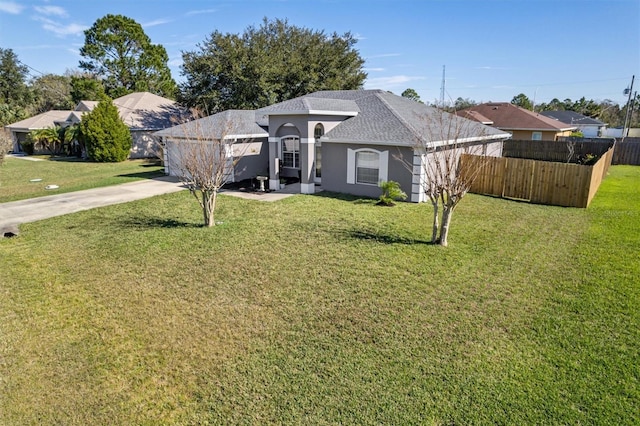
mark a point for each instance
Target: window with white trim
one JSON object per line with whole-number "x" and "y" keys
{"x": 291, "y": 152}
{"x": 367, "y": 166}
{"x": 536, "y": 136}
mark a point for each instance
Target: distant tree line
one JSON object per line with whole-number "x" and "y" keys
{"x": 272, "y": 62}
{"x": 607, "y": 111}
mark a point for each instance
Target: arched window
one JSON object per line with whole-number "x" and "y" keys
{"x": 318, "y": 132}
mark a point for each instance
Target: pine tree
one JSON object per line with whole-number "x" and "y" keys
{"x": 104, "y": 134}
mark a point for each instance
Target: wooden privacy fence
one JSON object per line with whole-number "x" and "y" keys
{"x": 540, "y": 182}
{"x": 627, "y": 152}
{"x": 567, "y": 150}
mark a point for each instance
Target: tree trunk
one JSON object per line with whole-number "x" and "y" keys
{"x": 208, "y": 207}
{"x": 447, "y": 211}
{"x": 434, "y": 229}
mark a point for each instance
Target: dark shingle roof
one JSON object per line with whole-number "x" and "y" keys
{"x": 370, "y": 116}
{"x": 572, "y": 118}
{"x": 229, "y": 124}
{"x": 313, "y": 105}
{"x": 388, "y": 119}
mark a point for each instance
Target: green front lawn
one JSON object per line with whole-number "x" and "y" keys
{"x": 69, "y": 174}
{"x": 322, "y": 310}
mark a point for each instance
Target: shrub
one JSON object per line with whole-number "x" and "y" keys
{"x": 104, "y": 134}
{"x": 390, "y": 191}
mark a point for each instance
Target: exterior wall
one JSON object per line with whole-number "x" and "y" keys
{"x": 253, "y": 160}
{"x": 335, "y": 166}
{"x": 144, "y": 145}
{"x": 491, "y": 149}
{"x": 591, "y": 131}
{"x": 528, "y": 134}
{"x": 302, "y": 126}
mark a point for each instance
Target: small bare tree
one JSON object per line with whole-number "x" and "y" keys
{"x": 204, "y": 159}
{"x": 444, "y": 179}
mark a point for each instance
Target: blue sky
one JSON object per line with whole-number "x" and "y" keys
{"x": 492, "y": 49}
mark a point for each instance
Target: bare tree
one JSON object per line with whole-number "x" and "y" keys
{"x": 444, "y": 179}
{"x": 204, "y": 158}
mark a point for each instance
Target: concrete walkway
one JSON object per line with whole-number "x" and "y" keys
{"x": 33, "y": 209}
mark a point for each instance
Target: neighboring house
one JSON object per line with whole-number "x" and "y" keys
{"x": 347, "y": 141}
{"x": 521, "y": 123}
{"x": 590, "y": 127}
{"x": 144, "y": 113}
{"x": 21, "y": 129}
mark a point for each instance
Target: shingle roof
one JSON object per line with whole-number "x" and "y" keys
{"x": 146, "y": 111}
{"x": 40, "y": 121}
{"x": 139, "y": 111}
{"x": 312, "y": 105}
{"x": 572, "y": 118}
{"x": 228, "y": 124}
{"x": 389, "y": 119}
{"x": 511, "y": 117}
{"x": 371, "y": 116}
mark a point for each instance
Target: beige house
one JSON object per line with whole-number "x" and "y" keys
{"x": 521, "y": 123}
{"x": 144, "y": 113}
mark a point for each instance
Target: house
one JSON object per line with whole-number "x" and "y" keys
{"x": 144, "y": 113}
{"x": 248, "y": 142}
{"x": 346, "y": 141}
{"x": 590, "y": 127}
{"x": 21, "y": 129}
{"x": 521, "y": 123}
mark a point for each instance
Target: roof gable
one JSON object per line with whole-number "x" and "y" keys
{"x": 146, "y": 111}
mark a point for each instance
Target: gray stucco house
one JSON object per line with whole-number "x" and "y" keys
{"x": 346, "y": 141}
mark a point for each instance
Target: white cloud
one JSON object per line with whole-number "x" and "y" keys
{"x": 59, "y": 29}
{"x": 51, "y": 11}
{"x": 200, "y": 12}
{"x": 156, "y": 22}
{"x": 373, "y": 69}
{"x": 11, "y": 7}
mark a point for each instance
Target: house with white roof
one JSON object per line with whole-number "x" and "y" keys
{"x": 144, "y": 113}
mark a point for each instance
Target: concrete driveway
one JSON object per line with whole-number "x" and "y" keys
{"x": 16, "y": 212}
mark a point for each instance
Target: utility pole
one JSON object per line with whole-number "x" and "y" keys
{"x": 627, "y": 116}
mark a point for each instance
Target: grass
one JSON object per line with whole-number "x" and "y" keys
{"x": 325, "y": 310}
{"x": 69, "y": 174}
